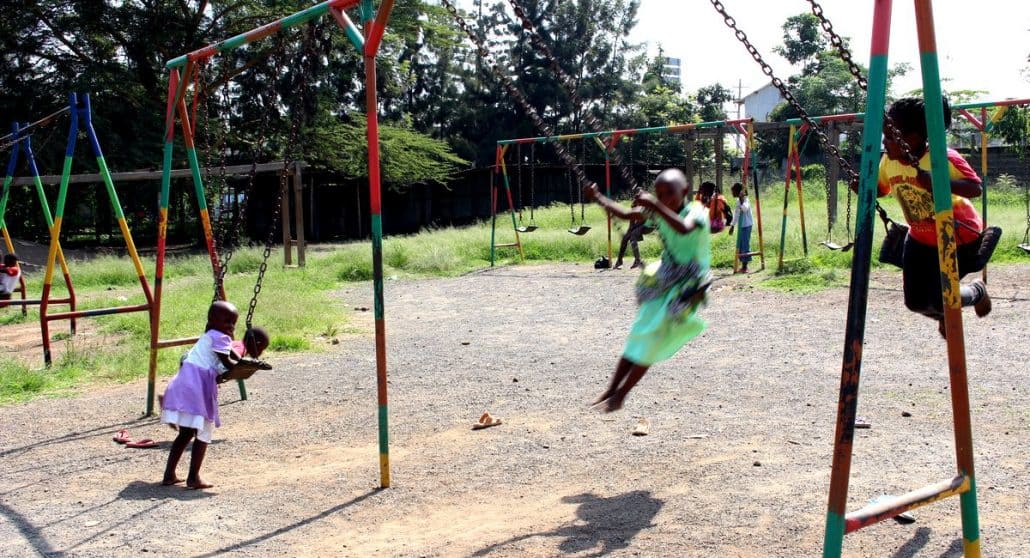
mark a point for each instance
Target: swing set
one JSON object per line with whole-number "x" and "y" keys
{"x": 608, "y": 142}
{"x": 80, "y": 115}
{"x": 963, "y": 484}
{"x": 185, "y": 92}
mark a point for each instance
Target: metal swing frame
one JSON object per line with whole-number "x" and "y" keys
{"x": 367, "y": 41}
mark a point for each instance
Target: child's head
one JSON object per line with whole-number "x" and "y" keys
{"x": 10, "y": 260}
{"x": 256, "y": 340}
{"x": 222, "y": 316}
{"x": 707, "y": 188}
{"x": 909, "y": 116}
{"x": 737, "y": 189}
{"x": 670, "y": 187}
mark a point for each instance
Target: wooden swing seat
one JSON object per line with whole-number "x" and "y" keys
{"x": 580, "y": 230}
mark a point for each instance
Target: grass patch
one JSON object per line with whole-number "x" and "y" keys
{"x": 297, "y": 307}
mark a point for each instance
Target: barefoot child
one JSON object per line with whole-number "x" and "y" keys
{"x": 191, "y": 400}
{"x": 912, "y": 187}
{"x": 669, "y": 291}
{"x": 742, "y": 218}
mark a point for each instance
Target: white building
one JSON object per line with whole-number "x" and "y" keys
{"x": 759, "y": 103}
{"x": 671, "y": 70}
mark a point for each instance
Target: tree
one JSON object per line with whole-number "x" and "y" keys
{"x": 802, "y": 42}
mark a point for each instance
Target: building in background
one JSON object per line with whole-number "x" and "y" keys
{"x": 671, "y": 71}
{"x": 760, "y": 102}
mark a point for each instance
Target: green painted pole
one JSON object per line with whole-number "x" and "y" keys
{"x": 947, "y": 253}
{"x": 858, "y": 292}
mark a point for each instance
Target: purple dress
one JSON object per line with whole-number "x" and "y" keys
{"x": 191, "y": 399}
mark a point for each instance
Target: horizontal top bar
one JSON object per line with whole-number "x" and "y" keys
{"x": 676, "y": 128}
{"x": 861, "y": 115}
{"x": 45, "y": 120}
{"x": 131, "y": 176}
{"x": 303, "y": 16}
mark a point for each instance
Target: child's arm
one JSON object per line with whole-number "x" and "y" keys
{"x": 228, "y": 360}
{"x": 613, "y": 209}
{"x": 965, "y": 187}
{"x": 678, "y": 224}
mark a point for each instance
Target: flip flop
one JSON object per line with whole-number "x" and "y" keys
{"x": 643, "y": 427}
{"x": 141, "y": 444}
{"x": 861, "y": 422}
{"x": 122, "y": 437}
{"x": 486, "y": 421}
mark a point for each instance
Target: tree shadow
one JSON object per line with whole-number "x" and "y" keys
{"x": 32, "y": 534}
{"x": 919, "y": 540}
{"x": 607, "y": 523}
{"x": 106, "y": 430}
{"x": 286, "y": 529}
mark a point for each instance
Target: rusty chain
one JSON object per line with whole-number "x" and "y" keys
{"x": 567, "y": 84}
{"x": 845, "y": 54}
{"x": 531, "y": 112}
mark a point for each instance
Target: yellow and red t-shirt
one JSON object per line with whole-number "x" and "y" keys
{"x": 917, "y": 203}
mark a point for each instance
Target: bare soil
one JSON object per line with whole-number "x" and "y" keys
{"x": 737, "y": 462}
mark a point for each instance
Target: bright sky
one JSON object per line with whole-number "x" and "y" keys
{"x": 983, "y": 48}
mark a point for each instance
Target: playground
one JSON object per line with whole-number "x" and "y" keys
{"x": 428, "y": 386}
{"x": 737, "y": 462}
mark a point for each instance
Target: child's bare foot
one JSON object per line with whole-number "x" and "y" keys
{"x": 170, "y": 481}
{"x": 613, "y": 403}
{"x": 601, "y": 398}
{"x": 198, "y": 485}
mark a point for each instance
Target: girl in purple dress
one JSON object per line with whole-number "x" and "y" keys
{"x": 190, "y": 402}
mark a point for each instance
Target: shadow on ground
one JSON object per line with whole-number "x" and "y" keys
{"x": 602, "y": 524}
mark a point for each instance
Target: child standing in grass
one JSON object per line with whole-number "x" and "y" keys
{"x": 744, "y": 221}
{"x": 719, "y": 215}
{"x": 191, "y": 400}
{"x": 669, "y": 291}
{"x": 10, "y": 274}
{"x": 914, "y": 191}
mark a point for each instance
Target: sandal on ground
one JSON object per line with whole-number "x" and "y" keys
{"x": 643, "y": 427}
{"x": 486, "y": 421}
{"x": 141, "y": 444}
{"x": 122, "y": 437}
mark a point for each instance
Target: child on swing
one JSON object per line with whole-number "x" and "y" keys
{"x": 719, "y": 215}
{"x": 190, "y": 402}
{"x": 669, "y": 291}
{"x": 913, "y": 189}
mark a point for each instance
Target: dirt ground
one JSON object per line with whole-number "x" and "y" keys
{"x": 737, "y": 462}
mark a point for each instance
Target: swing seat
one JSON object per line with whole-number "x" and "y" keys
{"x": 837, "y": 247}
{"x": 580, "y": 230}
{"x": 1025, "y": 247}
{"x": 526, "y": 228}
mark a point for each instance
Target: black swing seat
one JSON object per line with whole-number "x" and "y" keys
{"x": 837, "y": 247}
{"x": 526, "y": 228}
{"x": 1025, "y": 247}
{"x": 580, "y": 230}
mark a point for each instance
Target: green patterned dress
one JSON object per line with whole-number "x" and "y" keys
{"x": 667, "y": 317}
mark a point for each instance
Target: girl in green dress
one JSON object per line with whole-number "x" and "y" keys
{"x": 669, "y": 291}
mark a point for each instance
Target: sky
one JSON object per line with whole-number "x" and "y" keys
{"x": 982, "y": 49}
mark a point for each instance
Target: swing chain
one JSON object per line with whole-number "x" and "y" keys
{"x": 845, "y": 55}
{"x": 778, "y": 83}
{"x": 568, "y": 85}
{"x": 518, "y": 155}
{"x": 531, "y": 112}
{"x": 233, "y": 241}
{"x": 532, "y": 182}
{"x": 288, "y": 161}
